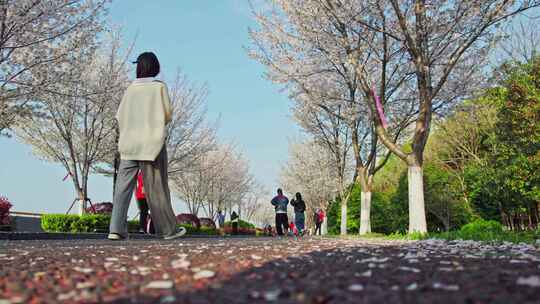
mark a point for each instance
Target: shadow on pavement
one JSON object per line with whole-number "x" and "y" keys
{"x": 357, "y": 275}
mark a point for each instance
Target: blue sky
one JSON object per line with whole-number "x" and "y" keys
{"x": 204, "y": 38}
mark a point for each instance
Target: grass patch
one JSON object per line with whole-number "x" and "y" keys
{"x": 488, "y": 231}
{"x": 528, "y": 237}
{"x": 479, "y": 230}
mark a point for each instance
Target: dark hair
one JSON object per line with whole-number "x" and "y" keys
{"x": 279, "y": 191}
{"x": 147, "y": 65}
{"x": 298, "y": 196}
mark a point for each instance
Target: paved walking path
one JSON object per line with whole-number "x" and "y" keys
{"x": 310, "y": 270}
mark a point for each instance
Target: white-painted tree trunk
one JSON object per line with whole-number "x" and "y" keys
{"x": 324, "y": 227}
{"x": 82, "y": 207}
{"x": 343, "y": 228}
{"x": 417, "y": 211}
{"x": 365, "y": 213}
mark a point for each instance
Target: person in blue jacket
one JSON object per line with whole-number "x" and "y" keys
{"x": 280, "y": 203}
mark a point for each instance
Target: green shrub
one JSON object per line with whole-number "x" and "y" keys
{"x": 199, "y": 231}
{"x": 133, "y": 225}
{"x": 481, "y": 230}
{"x": 190, "y": 228}
{"x": 75, "y": 223}
{"x": 58, "y": 222}
{"x": 208, "y": 231}
{"x": 91, "y": 223}
{"x": 488, "y": 231}
{"x": 241, "y": 224}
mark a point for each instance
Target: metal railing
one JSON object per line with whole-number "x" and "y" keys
{"x": 27, "y": 214}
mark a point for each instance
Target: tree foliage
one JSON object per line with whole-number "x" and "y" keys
{"x": 37, "y": 40}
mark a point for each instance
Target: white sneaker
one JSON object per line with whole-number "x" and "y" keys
{"x": 180, "y": 232}
{"x": 115, "y": 237}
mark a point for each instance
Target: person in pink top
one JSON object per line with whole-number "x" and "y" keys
{"x": 318, "y": 218}
{"x": 293, "y": 229}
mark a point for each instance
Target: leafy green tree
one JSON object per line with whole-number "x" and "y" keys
{"x": 518, "y": 128}
{"x": 517, "y": 153}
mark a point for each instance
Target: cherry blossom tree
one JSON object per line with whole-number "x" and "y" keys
{"x": 190, "y": 135}
{"x": 254, "y": 203}
{"x": 231, "y": 183}
{"x": 192, "y": 186}
{"x": 446, "y": 44}
{"x": 218, "y": 180}
{"x": 263, "y": 215}
{"x": 307, "y": 46}
{"x": 36, "y": 40}
{"x": 407, "y": 59}
{"x": 76, "y": 125}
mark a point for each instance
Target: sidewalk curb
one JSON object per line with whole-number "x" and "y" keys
{"x": 27, "y": 236}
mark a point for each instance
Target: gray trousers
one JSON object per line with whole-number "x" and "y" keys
{"x": 158, "y": 196}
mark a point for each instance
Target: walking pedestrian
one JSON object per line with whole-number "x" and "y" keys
{"x": 299, "y": 209}
{"x": 318, "y": 221}
{"x": 221, "y": 219}
{"x": 234, "y": 222}
{"x": 280, "y": 203}
{"x": 322, "y": 217}
{"x": 143, "y": 115}
{"x": 268, "y": 230}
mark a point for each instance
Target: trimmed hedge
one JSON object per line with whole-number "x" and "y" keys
{"x": 100, "y": 223}
{"x": 241, "y": 230}
{"x": 188, "y": 219}
{"x": 133, "y": 225}
{"x": 241, "y": 224}
{"x": 58, "y": 222}
{"x": 82, "y": 224}
{"x": 207, "y": 222}
{"x": 91, "y": 223}
{"x": 208, "y": 231}
{"x": 75, "y": 223}
{"x": 199, "y": 231}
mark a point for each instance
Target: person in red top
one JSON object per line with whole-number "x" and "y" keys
{"x": 318, "y": 219}
{"x": 142, "y": 204}
{"x": 321, "y": 216}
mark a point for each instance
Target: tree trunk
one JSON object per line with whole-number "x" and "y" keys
{"x": 506, "y": 218}
{"x": 324, "y": 227}
{"x": 365, "y": 213}
{"x": 535, "y": 215}
{"x": 82, "y": 201}
{"x": 417, "y": 211}
{"x": 343, "y": 229}
{"x": 239, "y": 210}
